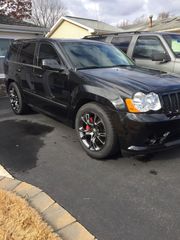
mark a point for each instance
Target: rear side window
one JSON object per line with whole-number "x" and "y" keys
{"x": 13, "y": 52}
{"x": 27, "y": 53}
{"x": 46, "y": 51}
{"x": 122, "y": 43}
{"x": 100, "y": 38}
{"x": 145, "y": 46}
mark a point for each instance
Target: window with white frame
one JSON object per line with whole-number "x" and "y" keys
{"x": 4, "y": 46}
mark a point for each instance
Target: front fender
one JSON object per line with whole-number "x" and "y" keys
{"x": 107, "y": 97}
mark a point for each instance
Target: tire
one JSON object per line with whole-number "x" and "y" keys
{"x": 98, "y": 138}
{"x": 17, "y": 102}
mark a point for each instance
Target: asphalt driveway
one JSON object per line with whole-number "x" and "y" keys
{"x": 119, "y": 199}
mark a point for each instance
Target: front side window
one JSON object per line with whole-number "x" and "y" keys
{"x": 27, "y": 53}
{"x": 47, "y": 51}
{"x": 122, "y": 43}
{"x": 173, "y": 41}
{"x": 94, "y": 55}
{"x": 4, "y": 46}
{"x": 146, "y": 46}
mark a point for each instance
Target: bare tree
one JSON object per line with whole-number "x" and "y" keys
{"x": 163, "y": 15}
{"x": 19, "y": 9}
{"x": 141, "y": 19}
{"x": 45, "y": 13}
{"x": 123, "y": 23}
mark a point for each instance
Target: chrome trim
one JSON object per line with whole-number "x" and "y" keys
{"x": 137, "y": 148}
{"x": 24, "y": 64}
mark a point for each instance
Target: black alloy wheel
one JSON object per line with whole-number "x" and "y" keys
{"x": 96, "y": 130}
{"x": 92, "y": 131}
{"x": 16, "y": 99}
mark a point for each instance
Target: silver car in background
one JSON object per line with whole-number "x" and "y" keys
{"x": 158, "y": 50}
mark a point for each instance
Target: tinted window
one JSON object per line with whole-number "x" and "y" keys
{"x": 47, "y": 51}
{"x": 145, "y": 47}
{"x": 13, "y": 52}
{"x": 27, "y": 53}
{"x": 94, "y": 55}
{"x": 100, "y": 38}
{"x": 122, "y": 43}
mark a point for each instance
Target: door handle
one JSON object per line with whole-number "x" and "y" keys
{"x": 38, "y": 75}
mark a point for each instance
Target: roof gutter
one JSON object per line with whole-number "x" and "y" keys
{"x": 22, "y": 29}
{"x": 170, "y": 30}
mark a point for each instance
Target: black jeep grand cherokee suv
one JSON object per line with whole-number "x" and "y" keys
{"x": 93, "y": 86}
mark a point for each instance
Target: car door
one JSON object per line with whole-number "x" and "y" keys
{"x": 143, "y": 51}
{"x": 51, "y": 86}
{"x": 25, "y": 67}
{"x": 11, "y": 64}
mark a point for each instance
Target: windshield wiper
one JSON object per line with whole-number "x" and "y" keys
{"x": 122, "y": 65}
{"x": 94, "y": 67}
{"x": 113, "y": 66}
{"x": 91, "y": 67}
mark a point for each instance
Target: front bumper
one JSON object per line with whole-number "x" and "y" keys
{"x": 144, "y": 133}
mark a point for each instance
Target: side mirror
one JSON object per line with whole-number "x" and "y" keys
{"x": 160, "y": 57}
{"x": 52, "y": 64}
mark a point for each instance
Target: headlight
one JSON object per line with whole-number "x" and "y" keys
{"x": 144, "y": 102}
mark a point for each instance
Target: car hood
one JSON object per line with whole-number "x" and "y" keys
{"x": 133, "y": 79}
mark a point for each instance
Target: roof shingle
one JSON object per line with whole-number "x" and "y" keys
{"x": 158, "y": 25}
{"x": 94, "y": 24}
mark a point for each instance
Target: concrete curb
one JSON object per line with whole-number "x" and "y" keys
{"x": 3, "y": 92}
{"x": 62, "y": 222}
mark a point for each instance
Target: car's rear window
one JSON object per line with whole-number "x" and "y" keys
{"x": 122, "y": 42}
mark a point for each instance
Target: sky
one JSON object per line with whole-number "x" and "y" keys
{"x": 115, "y": 11}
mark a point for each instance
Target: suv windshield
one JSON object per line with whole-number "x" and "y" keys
{"x": 173, "y": 41}
{"x": 85, "y": 55}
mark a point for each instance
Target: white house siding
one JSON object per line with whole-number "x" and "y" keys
{"x": 16, "y": 32}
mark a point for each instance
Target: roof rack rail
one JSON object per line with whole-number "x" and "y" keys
{"x": 113, "y": 33}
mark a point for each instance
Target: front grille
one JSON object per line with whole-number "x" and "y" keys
{"x": 171, "y": 103}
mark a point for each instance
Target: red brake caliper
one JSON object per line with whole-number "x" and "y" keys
{"x": 91, "y": 119}
{"x": 88, "y": 128}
